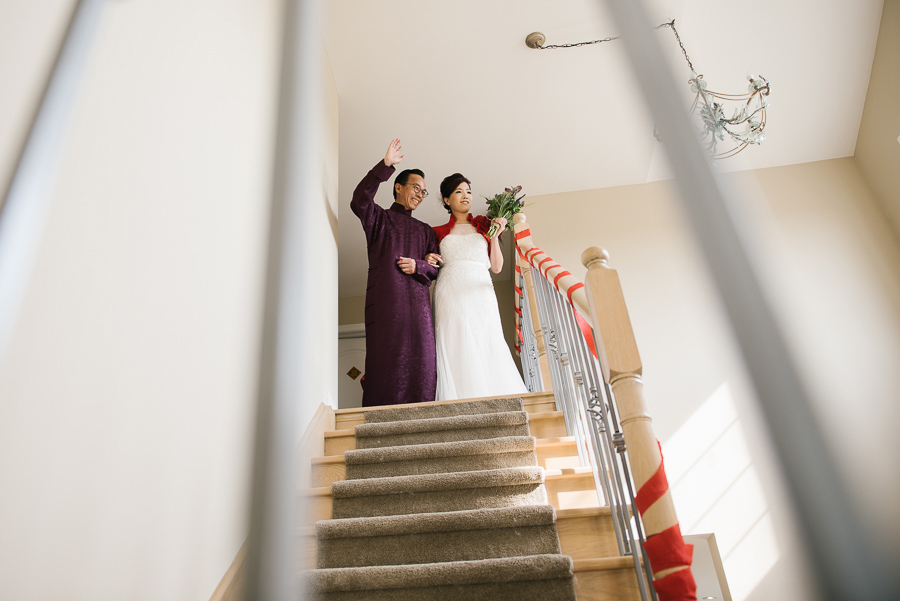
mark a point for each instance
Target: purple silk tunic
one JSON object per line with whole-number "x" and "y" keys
{"x": 400, "y": 356}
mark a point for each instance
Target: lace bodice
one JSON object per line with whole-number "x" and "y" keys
{"x": 464, "y": 248}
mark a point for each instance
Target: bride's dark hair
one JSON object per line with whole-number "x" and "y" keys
{"x": 450, "y": 183}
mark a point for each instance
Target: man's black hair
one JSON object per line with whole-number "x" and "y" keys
{"x": 404, "y": 177}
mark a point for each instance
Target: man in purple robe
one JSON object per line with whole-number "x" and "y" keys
{"x": 400, "y": 356}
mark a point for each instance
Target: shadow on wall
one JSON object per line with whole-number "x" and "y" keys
{"x": 717, "y": 488}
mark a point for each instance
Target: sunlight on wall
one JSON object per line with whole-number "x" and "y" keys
{"x": 717, "y": 489}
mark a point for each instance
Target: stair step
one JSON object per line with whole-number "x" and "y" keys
{"x": 545, "y": 425}
{"x": 571, "y": 488}
{"x": 396, "y": 495}
{"x": 535, "y": 577}
{"x": 442, "y": 429}
{"x": 558, "y": 452}
{"x": 417, "y": 411}
{"x": 444, "y": 457}
{"x": 533, "y": 402}
{"x": 437, "y": 537}
{"x": 551, "y": 453}
{"x": 606, "y": 579}
{"x": 584, "y": 533}
{"x": 419, "y": 517}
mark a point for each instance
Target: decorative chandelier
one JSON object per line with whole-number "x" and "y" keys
{"x": 746, "y": 125}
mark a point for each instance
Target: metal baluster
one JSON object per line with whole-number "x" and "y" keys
{"x": 624, "y": 474}
{"x": 565, "y": 387}
{"x": 583, "y": 360}
{"x": 624, "y": 535}
{"x": 549, "y": 342}
{"x": 621, "y": 473}
{"x": 587, "y": 404}
{"x": 572, "y": 367}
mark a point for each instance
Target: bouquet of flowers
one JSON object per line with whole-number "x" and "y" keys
{"x": 504, "y": 205}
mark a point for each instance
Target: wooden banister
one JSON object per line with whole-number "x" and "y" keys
{"x": 601, "y": 301}
{"x": 623, "y": 372}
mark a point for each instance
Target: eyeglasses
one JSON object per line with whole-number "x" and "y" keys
{"x": 419, "y": 190}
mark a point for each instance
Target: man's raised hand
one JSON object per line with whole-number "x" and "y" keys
{"x": 393, "y": 156}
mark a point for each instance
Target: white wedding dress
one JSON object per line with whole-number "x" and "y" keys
{"x": 473, "y": 359}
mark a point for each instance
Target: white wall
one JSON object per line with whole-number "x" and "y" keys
{"x": 126, "y": 400}
{"x": 834, "y": 266}
{"x": 323, "y": 260}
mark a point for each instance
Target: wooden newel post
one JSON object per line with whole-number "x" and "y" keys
{"x": 519, "y": 227}
{"x": 622, "y": 369}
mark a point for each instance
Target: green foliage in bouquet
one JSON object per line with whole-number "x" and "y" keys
{"x": 504, "y": 205}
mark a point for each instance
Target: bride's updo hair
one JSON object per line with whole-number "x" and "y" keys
{"x": 450, "y": 183}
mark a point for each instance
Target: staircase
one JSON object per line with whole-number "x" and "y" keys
{"x": 479, "y": 499}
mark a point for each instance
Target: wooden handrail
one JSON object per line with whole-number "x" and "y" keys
{"x": 600, "y": 299}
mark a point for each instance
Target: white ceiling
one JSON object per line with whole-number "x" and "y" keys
{"x": 455, "y": 81}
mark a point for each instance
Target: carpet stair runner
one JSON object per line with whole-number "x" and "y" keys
{"x": 442, "y": 502}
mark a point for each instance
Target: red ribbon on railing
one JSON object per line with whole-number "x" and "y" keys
{"x": 559, "y": 275}
{"x": 541, "y": 265}
{"x": 586, "y": 329}
{"x": 654, "y": 488}
{"x": 677, "y": 586}
{"x": 572, "y": 290}
{"x": 666, "y": 549}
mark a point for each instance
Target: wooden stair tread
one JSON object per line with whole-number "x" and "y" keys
{"x": 583, "y": 512}
{"x": 529, "y": 398}
{"x": 533, "y": 417}
{"x": 604, "y": 563}
{"x": 544, "y": 415}
{"x": 545, "y": 425}
{"x": 559, "y": 441}
{"x": 328, "y": 459}
{"x": 568, "y": 472}
{"x": 534, "y": 403}
{"x": 563, "y": 474}
{"x": 542, "y": 443}
{"x": 338, "y": 433}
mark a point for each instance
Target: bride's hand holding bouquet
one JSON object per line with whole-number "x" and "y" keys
{"x": 503, "y": 206}
{"x": 498, "y": 225}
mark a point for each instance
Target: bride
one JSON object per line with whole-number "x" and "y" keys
{"x": 473, "y": 359}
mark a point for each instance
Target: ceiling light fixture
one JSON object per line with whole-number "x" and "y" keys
{"x": 746, "y": 126}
